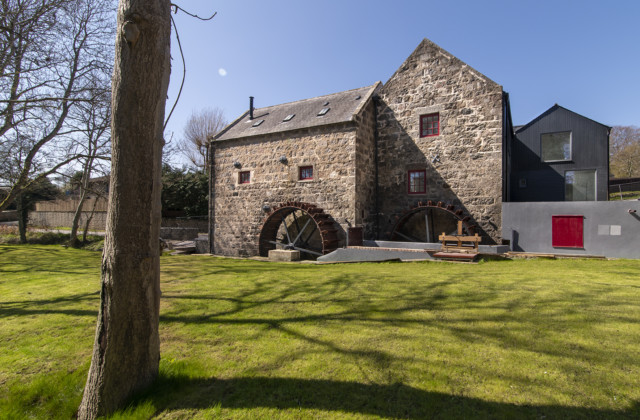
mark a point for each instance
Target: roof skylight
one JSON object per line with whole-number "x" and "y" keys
{"x": 257, "y": 123}
{"x": 323, "y": 111}
{"x": 288, "y": 117}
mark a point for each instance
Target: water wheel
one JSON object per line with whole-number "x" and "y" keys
{"x": 298, "y": 226}
{"x": 426, "y": 221}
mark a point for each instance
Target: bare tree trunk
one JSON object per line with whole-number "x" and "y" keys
{"x": 126, "y": 351}
{"x": 74, "y": 242}
{"x": 88, "y": 221}
{"x": 23, "y": 216}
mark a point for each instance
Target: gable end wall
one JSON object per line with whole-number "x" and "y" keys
{"x": 469, "y": 147}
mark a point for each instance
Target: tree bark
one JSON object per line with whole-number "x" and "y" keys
{"x": 126, "y": 351}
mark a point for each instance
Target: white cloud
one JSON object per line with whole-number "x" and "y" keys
{"x": 222, "y": 72}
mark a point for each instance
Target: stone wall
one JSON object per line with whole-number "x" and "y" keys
{"x": 237, "y": 209}
{"x": 365, "y": 182}
{"x": 464, "y": 162}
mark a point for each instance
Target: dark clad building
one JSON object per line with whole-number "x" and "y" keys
{"x": 560, "y": 156}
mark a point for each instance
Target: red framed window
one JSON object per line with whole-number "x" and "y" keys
{"x": 430, "y": 125}
{"x": 244, "y": 177}
{"x": 417, "y": 181}
{"x": 567, "y": 231}
{"x": 305, "y": 173}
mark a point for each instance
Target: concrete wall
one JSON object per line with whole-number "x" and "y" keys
{"x": 468, "y": 170}
{"x": 609, "y": 228}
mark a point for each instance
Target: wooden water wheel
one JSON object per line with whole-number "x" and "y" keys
{"x": 426, "y": 221}
{"x": 300, "y": 226}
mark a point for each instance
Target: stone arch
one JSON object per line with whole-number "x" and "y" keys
{"x": 426, "y": 221}
{"x": 301, "y": 226}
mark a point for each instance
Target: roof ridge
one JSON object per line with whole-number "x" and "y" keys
{"x": 316, "y": 97}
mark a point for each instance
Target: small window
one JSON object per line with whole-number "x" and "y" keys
{"x": 244, "y": 177}
{"x": 257, "y": 123}
{"x": 306, "y": 173}
{"x": 580, "y": 185}
{"x": 429, "y": 125}
{"x": 288, "y": 117}
{"x": 556, "y": 147}
{"x": 323, "y": 111}
{"x": 417, "y": 182}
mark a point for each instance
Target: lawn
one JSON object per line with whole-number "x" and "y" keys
{"x": 248, "y": 339}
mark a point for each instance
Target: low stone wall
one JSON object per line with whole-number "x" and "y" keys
{"x": 178, "y": 233}
{"x": 201, "y": 224}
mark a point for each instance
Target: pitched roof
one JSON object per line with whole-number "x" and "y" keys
{"x": 342, "y": 107}
{"x": 549, "y": 111}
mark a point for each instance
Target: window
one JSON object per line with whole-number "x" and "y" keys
{"x": 418, "y": 182}
{"x": 567, "y": 231}
{"x": 244, "y": 177}
{"x": 580, "y": 185}
{"x": 556, "y": 147}
{"x": 429, "y": 125}
{"x": 306, "y": 173}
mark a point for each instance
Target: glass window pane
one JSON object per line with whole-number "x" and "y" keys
{"x": 556, "y": 146}
{"x": 429, "y": 125}
{"x": 417, "y": 182}
{"x": 580, "y": 185}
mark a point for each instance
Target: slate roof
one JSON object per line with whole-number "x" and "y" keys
{"x": 343, "y": 107}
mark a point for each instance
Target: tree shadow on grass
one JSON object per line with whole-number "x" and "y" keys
{"x": 49, "y": 306}
{"x": 396, "y": 400}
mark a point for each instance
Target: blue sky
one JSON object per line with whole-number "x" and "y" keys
{"x": 583, "y": 55}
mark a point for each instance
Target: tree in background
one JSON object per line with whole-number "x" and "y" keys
{"x": 40, "y": 190}
{"x": 93, "y": 145}
{"x": 184, "y": 193}
{"x": 624, "y": 152}
{"x": 199, "y": 128}
{"x": 49, "y": 54}
{"x": 126, "y": 350}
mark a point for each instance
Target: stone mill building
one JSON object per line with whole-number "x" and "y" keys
{"x": 403, "y": 161}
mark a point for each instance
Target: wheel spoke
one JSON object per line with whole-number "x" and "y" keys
{"x": 308, "y": 251}
{"x": 286, "y": 229}
{"x": 306, "y": 241}
{"x": 409, "y": 238}
{"x": 295, "y": 220}
{"x": 295, "y": 241}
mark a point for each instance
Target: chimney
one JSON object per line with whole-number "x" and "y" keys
{"x": 250, "y": 107}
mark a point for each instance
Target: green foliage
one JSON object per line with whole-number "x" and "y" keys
{"x": 624, "y": 152}
{"x": 184, "y": 193}
{"x": 248, "y": 339}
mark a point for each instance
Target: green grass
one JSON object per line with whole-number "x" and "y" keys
{"x": 248, "y": 339}
{"x": 626, "y": 195}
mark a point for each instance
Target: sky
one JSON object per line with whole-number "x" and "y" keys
{"x": 583, "y": 55}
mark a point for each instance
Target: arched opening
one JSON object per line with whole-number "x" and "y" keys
{"x": 425, "y": 222}
{"x": 300, "y": 226}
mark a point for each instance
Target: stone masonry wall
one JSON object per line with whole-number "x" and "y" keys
{"x": 463, "y": 163}
{"x": 365, "y": 196}
{"x": 237, "y": 214}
